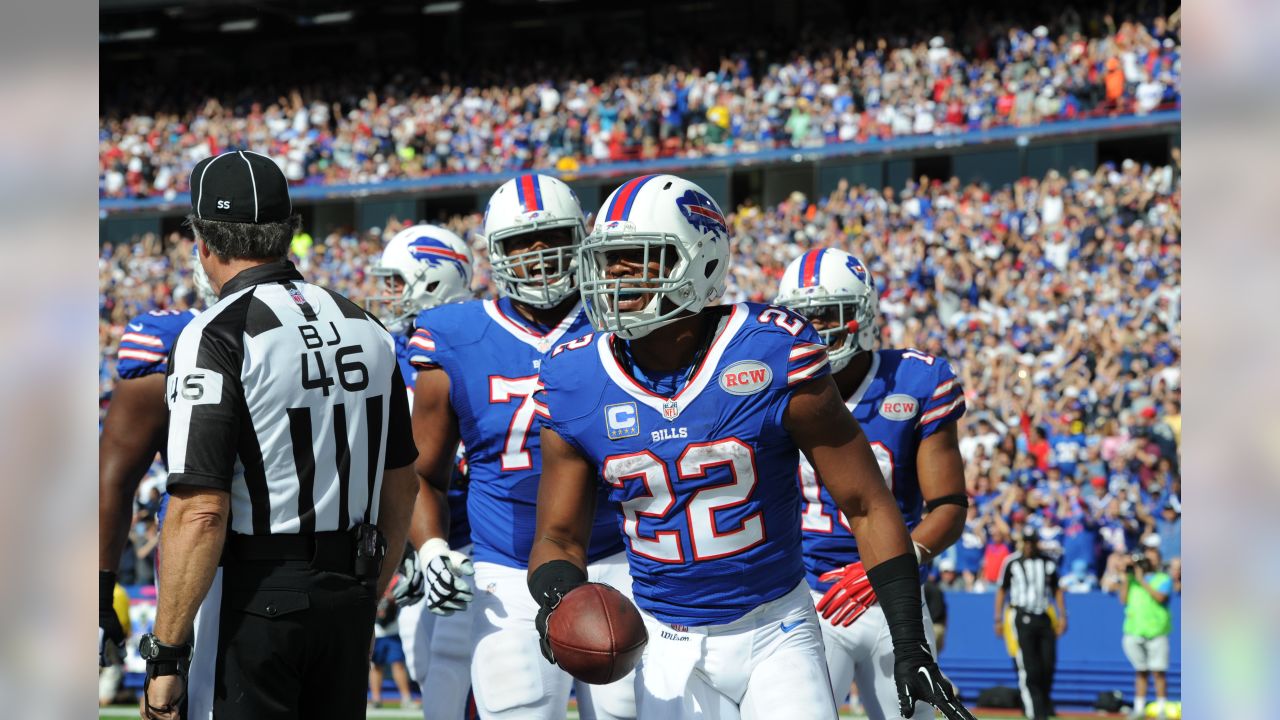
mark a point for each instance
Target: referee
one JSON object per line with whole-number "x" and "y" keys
{"x": 1029, "y": 581}
{"x": 290, "y": 463}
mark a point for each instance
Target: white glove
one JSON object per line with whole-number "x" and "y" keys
{"x": 447, "y": 592}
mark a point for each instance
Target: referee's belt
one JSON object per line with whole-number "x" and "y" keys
{"x": 327, "y": 551}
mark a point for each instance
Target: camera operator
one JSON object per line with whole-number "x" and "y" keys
{"x": 1147, "y": 622}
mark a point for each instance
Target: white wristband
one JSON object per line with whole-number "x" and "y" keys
{"x": 920, "y": 551}
{"x": 433, "y": 547}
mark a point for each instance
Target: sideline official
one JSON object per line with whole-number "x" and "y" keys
{"x": 1029, "y": 581}
{"x": 290, "y": 461}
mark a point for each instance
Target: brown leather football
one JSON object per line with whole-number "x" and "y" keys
{"x": 596, "y": 634}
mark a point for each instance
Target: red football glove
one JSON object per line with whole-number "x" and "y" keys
{"x": 849, "y": 597}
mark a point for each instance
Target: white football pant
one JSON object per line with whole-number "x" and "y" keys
{"x": 510, "y": 678}
{"x": 437, "y": 652}
{"x": 766, "y": 664}
{"x": 862, "y": 653}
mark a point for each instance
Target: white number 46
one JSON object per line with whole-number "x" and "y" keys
{"x": 199, "y": 387}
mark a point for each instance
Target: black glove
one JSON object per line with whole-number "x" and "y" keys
{"x": 548, "y": 585}
{"x": 915, "y": 674}
{"x": 918, "y": 679}
{"x": 540, "y": 622}
{"x": 409, "y": 585}
{"x": 109, "y": 629}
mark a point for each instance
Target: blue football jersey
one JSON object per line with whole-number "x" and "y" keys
{"x": 905, "y": 397}
{"x": 704, "y": 479}
{"x": 147, "y": 340}
{"x": 492, "y": 357}
{"x": 459, "y": 528}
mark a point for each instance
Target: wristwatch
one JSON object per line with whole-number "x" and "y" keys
{"x": 163, "y": 659}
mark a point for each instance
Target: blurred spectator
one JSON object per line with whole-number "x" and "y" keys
{"x": 144, "y": 539}
{"x": 1079, "y": 579}
{"x": 1169, "y": 529}
{"x": 388, "y": 652}
{"x": 351, "y": 129}
{"x": 948, "y": 579}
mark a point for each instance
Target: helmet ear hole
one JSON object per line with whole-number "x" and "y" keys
{"x": 711, "y": 267}
{"x": 431, "y": 286}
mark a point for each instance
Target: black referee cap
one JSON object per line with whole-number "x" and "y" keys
{"x": 240, "y": 186}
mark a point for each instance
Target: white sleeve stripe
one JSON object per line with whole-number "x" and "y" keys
{"x": 808, "y": 371}
{"x": 943, "y": 388}
{"x": 141, "y": 339}
{"x": 423, "y": 343}
{"x": 941, "y": 411}
{"x": 132, "y": 354}
{"x": 803, "y": 351}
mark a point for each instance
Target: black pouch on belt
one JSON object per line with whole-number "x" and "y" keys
{"x": 371, "y": 548}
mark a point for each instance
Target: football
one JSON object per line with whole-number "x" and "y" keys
{"x": 596, "y": 633}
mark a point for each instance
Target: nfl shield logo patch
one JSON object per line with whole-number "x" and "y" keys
{"x": 670, "y": 410}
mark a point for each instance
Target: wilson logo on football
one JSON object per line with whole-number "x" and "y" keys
{"x": 746, "y": 377}
{"x": 899, "y": 407}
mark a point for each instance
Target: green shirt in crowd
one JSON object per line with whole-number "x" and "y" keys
{"x": 1143, "y": 616}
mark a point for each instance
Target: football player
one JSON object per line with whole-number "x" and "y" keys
{"x": 478, "y": 370}
{"x": 422, "y": 267}
{"x": 693, "y": 417}
{"x": 907, "y": 403}
{"x": 133, "y": 432}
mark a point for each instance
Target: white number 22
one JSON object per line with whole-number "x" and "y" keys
{"x": 706, "y": 542}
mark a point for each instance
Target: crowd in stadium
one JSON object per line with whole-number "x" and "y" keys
{"x": 1057, "y": 299}
{"x": 846, "y": 90}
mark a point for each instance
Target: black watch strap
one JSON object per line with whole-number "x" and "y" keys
{"x": 162, "y": 668}
{"x": 156, "y": 652}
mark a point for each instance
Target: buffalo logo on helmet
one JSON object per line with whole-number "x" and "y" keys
{"x": 434, "y": 252}
{"x": 857, "y": 268}
{"x": 702, "y": 214}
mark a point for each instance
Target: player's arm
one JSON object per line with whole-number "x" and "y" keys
{"x": 399, "y": 481}
{"x": 566, "y": 507}
{"x": 566, "y": 504}
{"x": 826, "y": 432}
{"x": 1002, "y": 591}
{"x": 941, "y": 473}
{"x": 436, "y": 434}
{"x": 132, "y": 434}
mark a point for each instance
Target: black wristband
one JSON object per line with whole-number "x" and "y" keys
{"x": 106, "y": 589}
{"x": 897, "y": 585}
{"x": 960, "y": 499}
{"x": 550, "y": 581}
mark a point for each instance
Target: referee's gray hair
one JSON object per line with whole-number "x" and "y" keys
{"x": 236, "y": 240}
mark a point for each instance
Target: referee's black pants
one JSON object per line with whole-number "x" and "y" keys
{"x": 1037, "y": 660}
{"x": 294, "y": 636}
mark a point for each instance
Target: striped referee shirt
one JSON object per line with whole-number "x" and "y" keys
{"x": 288, "y": 396}
{"x": 1030, "y": 582}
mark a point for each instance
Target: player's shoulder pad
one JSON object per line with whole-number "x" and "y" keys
{"x": 917, "y": 372}
{"x": 780, "y": 323}
{"x": 460, "y": 323}
{"x": 565, "y": 373}
{"x": 161, "y": 323}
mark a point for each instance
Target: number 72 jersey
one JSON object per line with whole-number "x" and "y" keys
{"x": 906, "y": 396}
{"x": 706, "y": 478}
